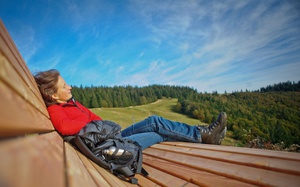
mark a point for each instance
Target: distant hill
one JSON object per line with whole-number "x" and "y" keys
{"x": 273, "y": 117}
{"x": 270, "y": 114}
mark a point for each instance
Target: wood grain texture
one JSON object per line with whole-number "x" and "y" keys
{"x": 165, "y": 179}
{"x": 259, "y": 161}
{"x": 241, "y": 150}
{"x": 77, "y": 173}
{"x": 32, "y": 161}
{"x": 111, "y": 179}
{"x": 22, "y": 109}
{"x": 104, "y": 178}
{"x": 192, "y": 175}
{"x": 18, "y": 117}
{"x": 15, "y": 73}
{"x": 248, "y": 174}
{"x": 98, "y": 178}
{"x": 145, "y": 182}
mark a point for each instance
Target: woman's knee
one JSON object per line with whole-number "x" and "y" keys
{"x": 154, "y": 117}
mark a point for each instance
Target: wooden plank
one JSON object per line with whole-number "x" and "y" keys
{"x": 193, "y": 175}
{"x": 11, "y": 54}
{"x": 259, "y": 161}
{"x": 241, "y": 150}
{"x": 145, "y": 182}
{"x": 247, "y": 174}
{"x": 15, "y": 77}
{"x": 9, "y": 42}
{"x": 32, "y": 161}
{"x": 100, "y": 181}
{"x": 165, "y": 179}
{"x": 19, "y": 63}
{"x": 17, "y": 117}
{"x": 77, "y": 174}
{"x": 110, "y": 178}
{"x": 104, "y": 178}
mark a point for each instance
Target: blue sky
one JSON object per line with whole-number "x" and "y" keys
{"x": 208, "y": 45}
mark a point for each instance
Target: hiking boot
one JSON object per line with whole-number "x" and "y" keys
{"x": 215, "y": 132}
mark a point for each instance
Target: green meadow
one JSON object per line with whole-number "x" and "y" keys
{"x": 163, "y": 107}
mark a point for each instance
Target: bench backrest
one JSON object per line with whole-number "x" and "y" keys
{"x": 31, "y": 152}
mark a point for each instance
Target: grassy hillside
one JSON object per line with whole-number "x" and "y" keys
{"x": 163, "y": 107}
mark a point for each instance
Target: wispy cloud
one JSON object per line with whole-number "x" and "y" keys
{"x": 28, "y": 45}
{"x": 209, "y": 45}
{"x": 249, "y": 44}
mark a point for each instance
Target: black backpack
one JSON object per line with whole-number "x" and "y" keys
{"x": 101, "y": 141}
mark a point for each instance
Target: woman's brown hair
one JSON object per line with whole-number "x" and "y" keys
{"x": 47, "y": 84}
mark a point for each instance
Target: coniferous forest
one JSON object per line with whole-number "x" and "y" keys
{"x": 271, "y": 114}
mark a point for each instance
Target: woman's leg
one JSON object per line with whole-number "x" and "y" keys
{"x": 169, "y": 130}
{"x": 146, "y": 139}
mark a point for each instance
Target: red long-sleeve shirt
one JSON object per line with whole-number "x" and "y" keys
{"x": 69, "y": 118}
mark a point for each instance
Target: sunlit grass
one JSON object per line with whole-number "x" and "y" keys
{"x": 129, "y": 115}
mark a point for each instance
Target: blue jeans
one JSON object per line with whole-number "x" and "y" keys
{"x": 155, "y": 129}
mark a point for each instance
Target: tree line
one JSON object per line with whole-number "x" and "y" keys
{"x": 282, "y": 86}
{"x": 124, "y": 96}
{"x": 273, "y": 116}
{"x": 271, "y": 113}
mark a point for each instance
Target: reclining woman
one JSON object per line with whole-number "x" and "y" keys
{"x": 69, "y": 117}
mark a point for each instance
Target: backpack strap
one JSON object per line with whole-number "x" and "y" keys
{"x": 69, "y": 138}
{"x": 140, "y": 169}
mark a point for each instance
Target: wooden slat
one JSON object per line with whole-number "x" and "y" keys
{"x": 193, "y": 175}
{"x": 103, "y": 178}
{"x": 17, "y": 117}
{"x": 14, "y": 72}
{"x": 275, "y": 164}
{"x": 165, "y": 179}
{"x": 111, "y": 179}
{"x": 100, "y": 181}
{"x": 9, "y": 42}
{"x": 32, "y": 161}
{"x": 14, "y": 79}
{"x": 19, "y": 62}
{"x": 77, "y": 174}
{"x": 239, "y": 172}
{"x": 145, "y": 182}
{"x": 241, "y": 150}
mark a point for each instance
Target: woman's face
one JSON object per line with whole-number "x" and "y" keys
{"x": 63, "y": 93}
